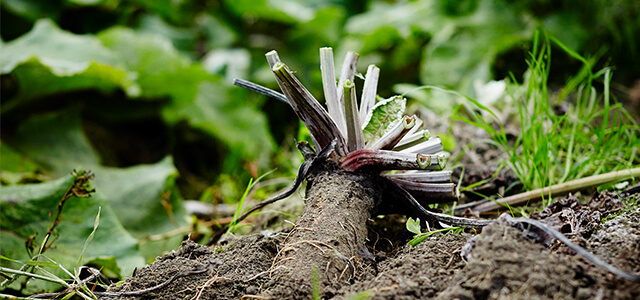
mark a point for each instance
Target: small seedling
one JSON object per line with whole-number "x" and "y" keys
{"x": 414, "y": 227}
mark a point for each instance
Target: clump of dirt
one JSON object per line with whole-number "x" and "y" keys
{"x": 236, "y": 267}
{"x": 504, "y": 264}
{"x": 571, "y": 218}
{"x": 414, "y": 272}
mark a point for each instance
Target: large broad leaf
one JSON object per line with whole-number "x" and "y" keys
{"x": 33, "y": 9}
{"x": 12, "y": 161}
{"x": 387, "y": 26}
{"x": 401, "y": 17}
{"x": 48, "y": 60}
{"x": 216, "y": 32}
{"x": 383, "y": 116}
{"x": 144, "y": 197}
{"x": 55, "y": 141}
{"x": 161, "y": 70}
{"x": 278, "y": 10}
{"x": 147, "y": 203}
{"x": 14, "y": 166}
{"x": 183, "y": 39}
{"x": 230, "y": 63}
{"x": 463, "y": 50}
{"x": 215, "y": 111}
{"x": 28, "y": 210}
{"x": 174, "y": 10}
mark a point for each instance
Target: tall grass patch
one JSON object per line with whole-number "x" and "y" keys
{"x": 594, "y": 134}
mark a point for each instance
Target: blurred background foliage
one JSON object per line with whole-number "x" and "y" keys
{"x": 139, "y": 91}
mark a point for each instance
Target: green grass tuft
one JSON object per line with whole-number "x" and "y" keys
{"x": 596, "y": 134}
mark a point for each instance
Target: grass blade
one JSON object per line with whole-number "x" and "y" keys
{"x": 96, "y": 223}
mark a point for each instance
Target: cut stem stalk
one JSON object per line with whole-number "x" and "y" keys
{"x": 380, "y": 160}
{"x": 395, "y": 134}
{"x": 327, "y": 68}
{"x": 412, "y": 139}
{"x": 422, "y": 176}
{"x": 347, "y": 72}
{"x": 429, "y": 193}
{"x": 310, "y": 112}
{"x": 355, "y": 139}
{"x": 431, "y": 146}
{"x": 369, "y": 92}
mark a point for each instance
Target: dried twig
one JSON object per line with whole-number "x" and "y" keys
{"x": 555, "y": 190}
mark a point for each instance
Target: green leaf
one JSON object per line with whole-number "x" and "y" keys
{"x": 55, "y": 141}
{"x": 567, "y": 28}
{"x": 25, "y": 211}
{"x": 49, "y": 60}
{"x": 146, "y": 184}
{"x": 161, "y": 70}
{"x": 217, "y": 33}
{"x": 12, "y": 161}
{"x": 147, "y": 202}
{"x": 464, "y": 48}
{"x": 215, "y": 111}
{"x": 230, "y": 63}
{"x": 287, "y": 11}
{"x": 383, "y": 116}
{"x": 419, "y": 238}
{"x": 413, "y": 225}
{"x": 398, "y": 18}
{"x": 87, "y": 2}
{"x": 32, "y": 9}
{"x": 108, "y": 266}
{"x": 183, "y": 39}
{"x": 174, "y": 10}
{"x": 65, "y": 53}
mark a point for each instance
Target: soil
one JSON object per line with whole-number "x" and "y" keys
{"x": 504, "y": 262}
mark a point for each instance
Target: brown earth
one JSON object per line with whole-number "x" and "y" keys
{"x": 504, "y": 263}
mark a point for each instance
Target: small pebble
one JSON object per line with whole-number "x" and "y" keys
{"x": 252, "y": 290}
